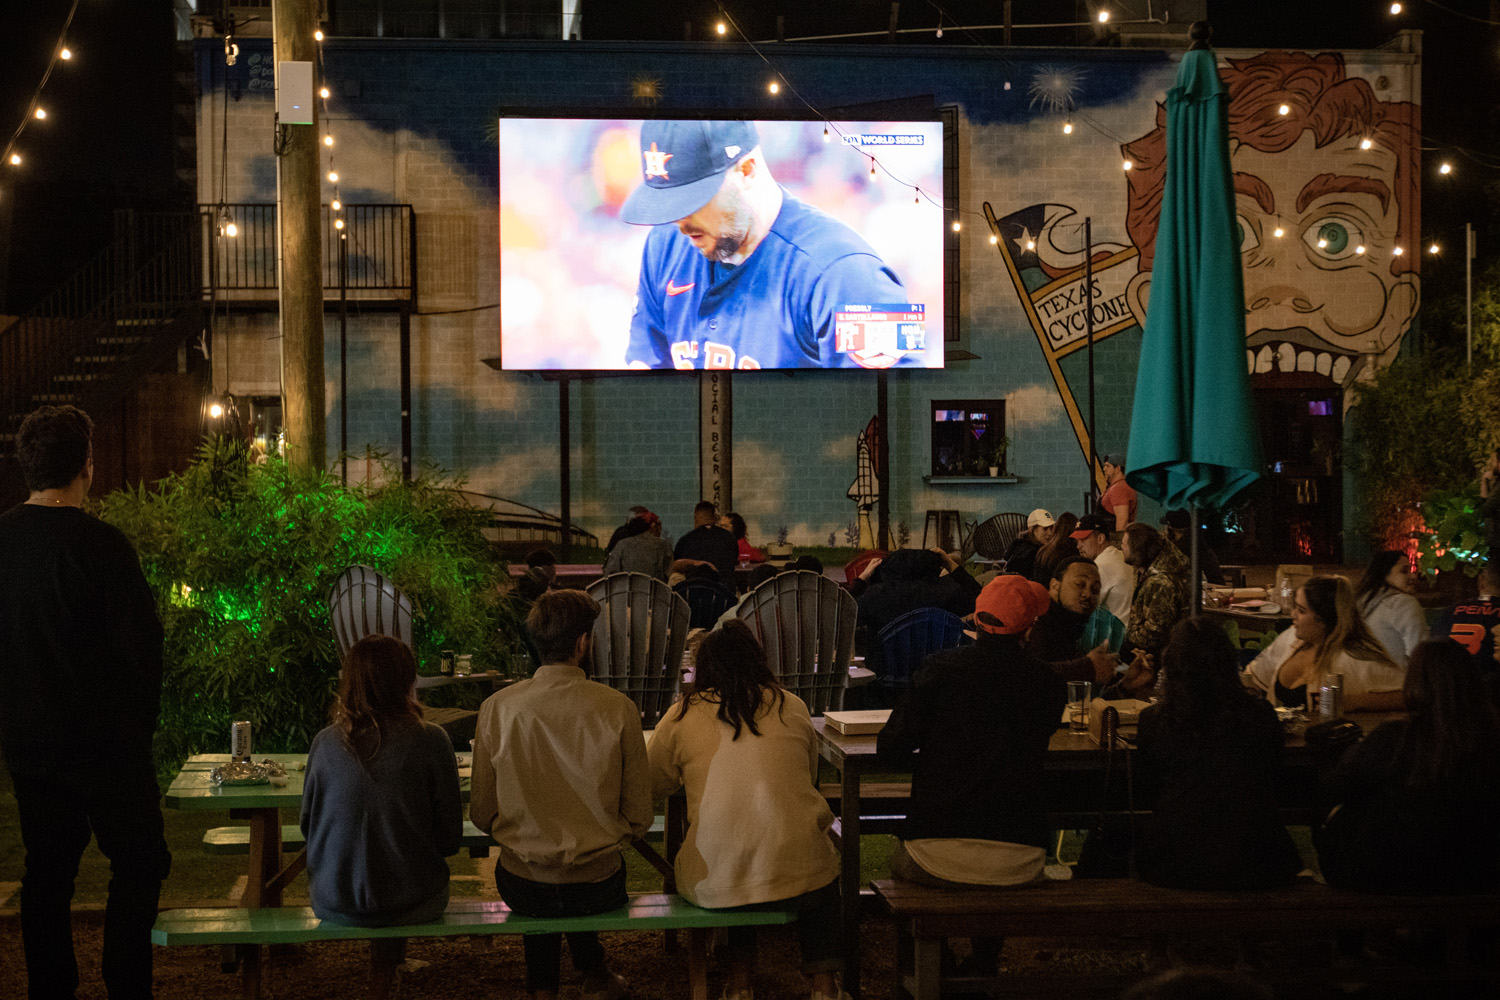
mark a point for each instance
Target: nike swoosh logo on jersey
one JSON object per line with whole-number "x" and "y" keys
{"x": 678, "y": 289}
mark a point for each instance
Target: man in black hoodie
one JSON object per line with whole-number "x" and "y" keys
{"x": 80, "y": 689}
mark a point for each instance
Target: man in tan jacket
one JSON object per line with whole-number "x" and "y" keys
{"x": 562, "y": 784}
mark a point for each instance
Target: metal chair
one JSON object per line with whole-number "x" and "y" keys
{"x": 365, "y": 602}
{"x": 911, "y": 638}
{"x": 707, "y": 600}
{"x": 638, "y": 640}
{"x": 993, "y": 537}
{"x": 805, "y": 623}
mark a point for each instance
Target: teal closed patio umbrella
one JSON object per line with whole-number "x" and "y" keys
{"x": 1193, "y": 435}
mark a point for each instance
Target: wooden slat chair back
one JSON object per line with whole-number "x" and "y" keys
{"x": 365, "y": 602}
{"x": 707, "y": 600}
{"x": 638, "y": 640}
{"x": 906, "y": 641}
{"x": 805, "y": 622}
{"x": 993, "y": 537}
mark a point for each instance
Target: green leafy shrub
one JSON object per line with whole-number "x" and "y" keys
{"x": 242, "y": 558}
{"x": 1454, "y": 535}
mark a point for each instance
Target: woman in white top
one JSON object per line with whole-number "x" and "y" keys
{"x": 744, "y": 749}
{"x": 1385, "y": 600}
{"x": 1327, "y": 636}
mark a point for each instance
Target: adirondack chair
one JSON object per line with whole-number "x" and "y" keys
{"x": 707, "y": 600}
{"x": 364, "y": 602}
{"x": 909, "y": 639}
{"x": 805, "y": 623}
{"x": 993, "y": 537}
{"x": 638, "y": 640}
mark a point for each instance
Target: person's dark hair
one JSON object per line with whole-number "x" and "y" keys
{"x": 1202, "y": 683}
{"x": 737, "y": 525}
{"x": 1146, "y": 542}
{"x": 1059, "y": 547}
{"x": 1451, "y": 716}
{"x": 1061, "y": 569}
{"x": 1331, "y": 599}
{"x": 811, "y": 564}
{"x": 540, "y": 557}
{"x": 556, "y": 621}
{"x": 908, "y": 564}
{"x": 1373, "y": 584}
{"x": 52, "y": 446}
{"x": 701, "y": 571}
{"x": 731, "y": 669}
{"x": 631, "y": 528}
{"x": 705, "y": 508}
{"x": 759, "y": 575}
{"x": 375, "y": 693}
{"x": 1198, "y": 983}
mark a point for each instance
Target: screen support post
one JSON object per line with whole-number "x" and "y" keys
{"x": 716, "y": 439}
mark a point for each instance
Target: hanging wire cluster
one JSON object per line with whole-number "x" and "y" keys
{"x": 35, "y": 112}
{"x": 335, "y": 204}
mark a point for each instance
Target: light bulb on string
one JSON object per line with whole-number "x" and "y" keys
{"x": 1396, "y": 251}
{"x": 318, "y": 36}
{"x": 775, "y": 87}
{"x": 916, "y": 197}
{"x": 1284, "y": 109}
{"x": 66, "y": 53}
{"x": 1067, "y": 127}
{"x": 1322, "y": 244}
{"x": 1433, "y": 249}
{"x": 336, "y": 205}
{"x": 338, "y": 223}
{"x": 825, "y": 134}
{"x": 1031, "y": 244}
{"x": 328, "y": 140}
{"x": 1395, "y": 8}
{"x": 994, "y": 239}
{"x": 957, "y": 225}
{"x": 1278, "y": 232}
{"x": 1104, "y": 17}
{"x": 15, "y": 159}
{"x": 1127, "y": 164}
{"x": 323, "y": 93}
{"x": 216, "y": 410}
{"x": 1446, "y": 168}
{"x": 721, "y": 28}
{"x": 940, "y": 31}
{"x": 1365, "y": 143}
{"x": 41, "y": 113}
{"x": 333, "y": 177}
{"x": 872, "y": 166}
{"x": 1360, "y": 249}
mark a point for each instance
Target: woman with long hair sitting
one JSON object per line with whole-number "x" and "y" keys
{"x": 1210, "y": 748}
{"x": 380, "y": 805}
{"x": 1417, "y": 809}
{"x": 1327, "y": 636}
{"x": 1386, "y": 601}
{"x": 1061, "y": 546}
{"x": 745, "y": 750}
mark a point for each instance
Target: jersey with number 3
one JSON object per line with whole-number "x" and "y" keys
{"x": 777, "y": 309}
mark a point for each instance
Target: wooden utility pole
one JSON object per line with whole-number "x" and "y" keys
{"x": 299, "y": 212}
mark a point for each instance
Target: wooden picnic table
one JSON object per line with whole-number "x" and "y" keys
{"x": 1073, "y": 760}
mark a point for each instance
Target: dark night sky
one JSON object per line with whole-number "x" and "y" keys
{"x": 108, "y": 142}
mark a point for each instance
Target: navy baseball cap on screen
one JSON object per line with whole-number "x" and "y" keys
{"x": 684, "y": 163}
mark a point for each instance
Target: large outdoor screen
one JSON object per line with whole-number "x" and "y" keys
{"x": 660, "y": 244}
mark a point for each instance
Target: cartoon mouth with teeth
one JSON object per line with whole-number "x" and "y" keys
{"x": 1301, "y": 350}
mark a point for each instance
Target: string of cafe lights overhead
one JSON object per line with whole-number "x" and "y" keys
{"x": 336, "y": 204}
{"x": 34, "y": 110}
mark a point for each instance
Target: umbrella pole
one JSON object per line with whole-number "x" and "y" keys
{"x": 1195, "y": 608}
{"x": 1088, "y": 325}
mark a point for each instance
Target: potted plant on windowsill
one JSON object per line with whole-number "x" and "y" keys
{"x": 997, "y": 456}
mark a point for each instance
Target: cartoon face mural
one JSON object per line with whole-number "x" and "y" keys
{"x": 1327, "y": 201}
{"x": 1327, "y": 198}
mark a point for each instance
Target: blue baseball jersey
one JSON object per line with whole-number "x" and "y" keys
{"x": 795, "y": 302}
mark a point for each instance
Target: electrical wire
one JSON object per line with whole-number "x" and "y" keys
{"x": 36, "y": 95}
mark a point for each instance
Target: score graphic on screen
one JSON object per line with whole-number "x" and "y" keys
{"x": 880, "y": 336}
{"x": 697, "y": 244}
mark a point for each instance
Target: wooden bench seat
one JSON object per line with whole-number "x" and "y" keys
{"x": 236, "y": 840}
{"x": 1104, "y": 908}
{"x": 298, "y": 925}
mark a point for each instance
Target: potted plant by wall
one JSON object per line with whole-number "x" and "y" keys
{"x": 997, "y": 456}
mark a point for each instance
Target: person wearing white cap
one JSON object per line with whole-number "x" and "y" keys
{"x": 1021, "y": 556}
{"x": 737, "y": 272}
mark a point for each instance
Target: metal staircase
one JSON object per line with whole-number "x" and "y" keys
{"x": 91, "y": 340}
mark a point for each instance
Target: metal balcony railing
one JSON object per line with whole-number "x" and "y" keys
{"x": 381, "y": 242}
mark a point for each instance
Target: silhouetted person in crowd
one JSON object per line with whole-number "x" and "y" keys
{"x": 1475, "y": 625}
{"x": 1059, "y": 547}
{"x": 1386, "y": 596}
{"x": 1020, "y": 556}
{"x": 1162, "y": 591}
{"x": 639, "y": 548}
{"x": 541, "y": 571}
{"x": 1211, "y": 749}
{"x": 709, "y": 543}
{"x": 80, "y": 690}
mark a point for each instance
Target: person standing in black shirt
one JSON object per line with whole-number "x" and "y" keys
{"x": 80, "y": 690}
{"x": 709, "y": 543}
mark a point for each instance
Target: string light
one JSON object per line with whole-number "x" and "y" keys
{"x": 825, "y": 133}
{"x": 216, "y": 410}
{"x": 41, "y": 113}
{"x": 15, "y": 159}
{"x": 1127, "y": 164}
{"x": 1365, "y": 143}
{"x": 1360, "y": 249}
{"x": 333, "y": 177}
{"x": 994, "y": 239}
{"x": 1395, "y": 8}
{"x": 1322, "y": 244}
{"x": 1396, "y": 251}
{"x": 872, "y": 166}
{"x": 916, "y": 196}
{"x": 1067, "y": 128}
{"x": 940, "y": 31}
{"x": 65, "y": 53}
{"x": 1446, "y": 168}
{"x": 328, "y": 140}
{"x": 338, "y": 223}
{"x": 1433, "y": 249}
{"x": 336, "y": 205}
{"x": 1103, "y": 16}
{"x": 721, "y": 28}
{"x": 318, "y": 36}
{"x": 226, "y": 224}
{"x": 775, "y": 87}
{"x": 1284, "y": 109}
{"x": 957, "y": 225}
{"x": 1278, "y": 232}
{"x": 1031, "y": 244}
{"x": 323, "y": 93}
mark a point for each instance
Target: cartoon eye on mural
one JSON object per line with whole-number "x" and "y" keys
{"x": 1327, "y": 198}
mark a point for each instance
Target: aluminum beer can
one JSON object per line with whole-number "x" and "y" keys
{"x": 239, "y": 741}
{"x": 445, "y": 663}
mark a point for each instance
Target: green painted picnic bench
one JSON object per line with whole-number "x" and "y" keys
{"x": 298, "y": 925}
{"x": 231, "y": 840}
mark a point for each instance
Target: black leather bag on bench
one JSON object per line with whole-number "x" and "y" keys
{"x": 1107, "y": 848}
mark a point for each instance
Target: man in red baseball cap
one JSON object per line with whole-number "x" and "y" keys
{"x": 981, "y": 715}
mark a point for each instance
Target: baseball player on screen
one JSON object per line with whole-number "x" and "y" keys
{"x": 738, "y": 273}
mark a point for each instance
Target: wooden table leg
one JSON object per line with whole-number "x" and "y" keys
{"x": 698, "y": 938}
{"x": 262, "y": 888}
{"x": 849, "y": 885}
{"x": 927, "y": 968}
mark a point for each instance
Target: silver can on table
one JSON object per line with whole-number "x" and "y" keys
{"x": 239, "y": 741}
